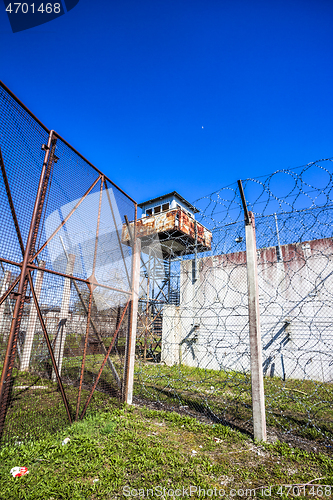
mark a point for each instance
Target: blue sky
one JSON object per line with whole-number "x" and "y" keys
{"x": 185, "y": 95}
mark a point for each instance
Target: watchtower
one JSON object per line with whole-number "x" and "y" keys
{"x": 168, "y": 231}
{"x": 171, "y": 219}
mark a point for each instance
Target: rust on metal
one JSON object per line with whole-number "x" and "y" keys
{"x": 176, "y": 231}
{"x": 48, "y": 343}
{"x": 95, "y": 168}
{"x": 84, "y": 355}
{"x": 9, "y": 360}
{"x": 15, "y": 295}
{"x": 94, "y": 283}
{"x": 24, "y": 106}
{"x": 48, "y": 162}
{"x": 105, "y": 360}
{"x": 66, "y": 218}
{"x": 61, "y": 138}
{"x": 99, "y": 338}
{"x": 11, "y": 203}
{"x": 38, "y": 225}
{"x": 91, "y": 280}
{"x": 9, "y": 290}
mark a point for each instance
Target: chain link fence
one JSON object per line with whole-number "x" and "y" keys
{"x": 65, "y": 278}
{"x": 69, "y": 288}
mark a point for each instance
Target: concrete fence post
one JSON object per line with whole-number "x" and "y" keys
{"x": 30, "y": 333}
{"x": 4, "y": 286}
{"x": 61, "y": 332}
{"x": 130, "y": 347}
{"x": 257, "y": 377}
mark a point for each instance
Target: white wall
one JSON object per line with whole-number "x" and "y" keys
{"x": 210, "y": 327}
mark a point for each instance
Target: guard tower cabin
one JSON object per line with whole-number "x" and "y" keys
{"x": 172, "y": 219}
{"x": 165, "y": 203}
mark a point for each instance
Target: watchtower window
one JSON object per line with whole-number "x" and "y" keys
{"x": 149, "y": 212}
{"x": 165, "y": 207}
{"x": 157, "y": 209}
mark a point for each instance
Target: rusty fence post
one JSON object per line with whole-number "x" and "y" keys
{"x": 8, "y": 365}
{"x": 29, "y": 338}
{"x": 131, "y": 338}
{"x": 84, "y": 354}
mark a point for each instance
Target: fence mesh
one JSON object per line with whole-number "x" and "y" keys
{"x": 67, "y": 348}
{"x": 78, "y": 282}
{"x": 197, "y": 334}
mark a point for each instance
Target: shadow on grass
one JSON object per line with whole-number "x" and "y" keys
{"x": 186, "y": 404}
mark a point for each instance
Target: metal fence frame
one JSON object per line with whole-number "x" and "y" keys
{"x": 29, "y": 264}
{"x": 141, "y": 304}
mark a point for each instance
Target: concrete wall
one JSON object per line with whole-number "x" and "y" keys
{"x": 76, "y": 330}
{"x": 210, "y": 327}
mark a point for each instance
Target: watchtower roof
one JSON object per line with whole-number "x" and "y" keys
{"x": 173, "y": 194}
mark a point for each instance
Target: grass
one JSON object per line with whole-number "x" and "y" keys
{"x": 120, "y": 451}
{"x": 304, "y": 407}
{"x": 37, "y": 408}
{"x": 137, "y": 448}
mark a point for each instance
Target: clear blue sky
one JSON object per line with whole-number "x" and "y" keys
{"x": 181, "y": 94}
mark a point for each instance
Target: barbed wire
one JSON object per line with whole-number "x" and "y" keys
{"x": 202, "y": 364}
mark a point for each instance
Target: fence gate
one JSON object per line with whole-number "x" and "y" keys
{"x": 66, "y": 278}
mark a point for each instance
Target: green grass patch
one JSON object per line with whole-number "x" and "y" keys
{"x": 121, "y": 450}
{"x": 37, "y": 410}
{"x": 304, "y": 407}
